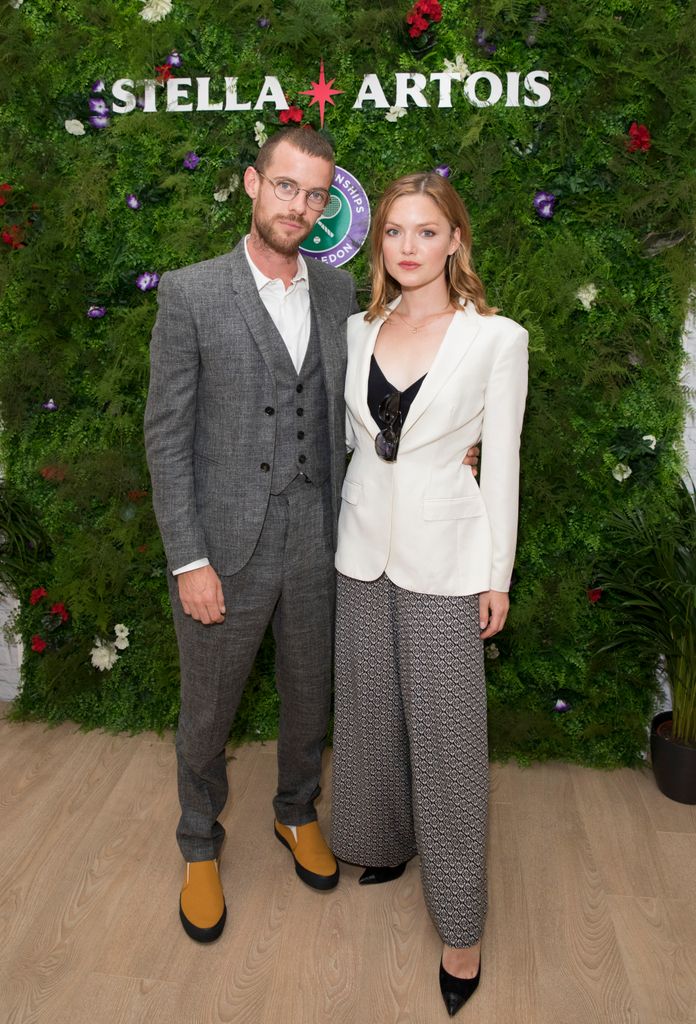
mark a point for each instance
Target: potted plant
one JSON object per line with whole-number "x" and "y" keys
{"x": 652, "y": 588}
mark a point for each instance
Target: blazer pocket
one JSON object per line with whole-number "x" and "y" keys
{"x": 350, "y": 492}
{"x": 452, "y": 508}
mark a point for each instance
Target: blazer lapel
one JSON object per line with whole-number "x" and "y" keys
{"x": 330, "y": 333}
{"x": 251, "y": 307}
{"x": 458, "y": 339}
{"x": 363, "y": 375}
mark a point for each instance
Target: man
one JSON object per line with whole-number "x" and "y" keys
{"x": 245, "y": 438}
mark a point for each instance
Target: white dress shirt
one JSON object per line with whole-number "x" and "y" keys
{"x": 289, "y": 310}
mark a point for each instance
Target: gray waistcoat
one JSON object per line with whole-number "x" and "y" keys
{"x": 301, "y": 413}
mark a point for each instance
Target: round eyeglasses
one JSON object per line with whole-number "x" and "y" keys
{"x": 286, "y": 189}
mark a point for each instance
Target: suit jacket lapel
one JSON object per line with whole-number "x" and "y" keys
{"x": 363, "y": 372}
{"x": 251, "y": 307}
{"x": 330, "y": 333}
{"x": 460, "y": 334}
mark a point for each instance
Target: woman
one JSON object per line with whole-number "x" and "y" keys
{"x": 424, "y": 562}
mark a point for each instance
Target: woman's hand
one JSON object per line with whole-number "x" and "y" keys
{"x": 493, "y": 609}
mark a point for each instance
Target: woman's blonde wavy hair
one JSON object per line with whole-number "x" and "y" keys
{"x": 463, "y": 282}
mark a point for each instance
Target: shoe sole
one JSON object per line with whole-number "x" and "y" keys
{"x": 202, "y": 934}
{"x": 320, "y": 882}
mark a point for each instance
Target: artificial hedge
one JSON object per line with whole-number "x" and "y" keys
{"x": 598, "y": 271}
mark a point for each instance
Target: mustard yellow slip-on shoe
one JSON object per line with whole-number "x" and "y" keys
{"x": 202, "y": 904}
{"x": 314, "y": 862}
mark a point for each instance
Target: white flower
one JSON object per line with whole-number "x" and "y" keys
{"x": 74, "y": 127}
{"x": 651, "y": 439}
{"x": 492, "y": 651}
{"x": 458, "y": 66}
{"x": 155, "y": 10}
{"x": 587, "y": 295}
{"x": 260, "y": 134}
{"x": 103, "y": 654}
{"x": 395, "y": 113}
{"x": 16, "y": 4}
{"x": 121, "y": 632}
{"x": 223, "y": 194}
{"x": 621, "y": 472}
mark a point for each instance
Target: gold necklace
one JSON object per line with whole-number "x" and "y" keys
{"x": 414, "y": 328}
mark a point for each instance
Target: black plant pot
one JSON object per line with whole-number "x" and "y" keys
{"x": 674, "y": 764}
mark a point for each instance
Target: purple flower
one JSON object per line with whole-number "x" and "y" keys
{"x": 133, "y": 201}
{"x": 98, "y": 107}
{"x": 174, "y": 59}
{"x": 544, "y": 203}
{"x": 443, "y": 170}
{"x": 263, "y": 22}
{"x": 561, "y": 706}
{"x": 140, "y": 102}
{"x": 99, "y": 85}
{"x": 147, "y": 281}
{"x": 50, "y": 405}
{"x": 483, "y": 41}
{"x": 96, "y": 312}
{"x": 191, "y": 161}
{"x": 531, "y": 39}
{"x": 99, "y": 121}
{"x": 541, "y": 15}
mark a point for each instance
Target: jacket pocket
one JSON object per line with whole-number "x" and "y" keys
{"x": 350, "y": 492}
{"x": 452, "y": 508}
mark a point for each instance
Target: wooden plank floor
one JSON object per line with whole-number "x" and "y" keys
{"x": 592, "y": 888}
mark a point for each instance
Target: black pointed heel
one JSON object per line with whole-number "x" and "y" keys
{"x": 375, "y": 876}
{"x": 456, "y": 991}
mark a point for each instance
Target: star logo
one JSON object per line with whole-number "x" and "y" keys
{"x": 321, "y": 93}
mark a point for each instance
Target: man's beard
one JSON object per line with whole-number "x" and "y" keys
{"x": 273, "y": 239}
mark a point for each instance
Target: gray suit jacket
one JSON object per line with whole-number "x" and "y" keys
{"x": 206, "y": 433}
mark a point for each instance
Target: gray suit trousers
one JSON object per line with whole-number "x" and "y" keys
{"x": 289, "y": 581}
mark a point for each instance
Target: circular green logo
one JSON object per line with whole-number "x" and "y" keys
{"x": 331, "y": 227}
{"x": 342, "y": 228}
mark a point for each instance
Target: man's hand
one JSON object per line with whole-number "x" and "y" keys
{"x": 493, "y": 609}
{"x": 471, "y": 458}
{"x": 200, "y": 591}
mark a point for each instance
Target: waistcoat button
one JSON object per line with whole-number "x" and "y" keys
{"x": 264, "y": 467}
{"x": 269, "y": 410}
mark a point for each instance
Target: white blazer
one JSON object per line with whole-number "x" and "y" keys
{"x": 423, "y": 519}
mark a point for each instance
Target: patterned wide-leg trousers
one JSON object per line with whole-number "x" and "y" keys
{"x": 410, "y": 757}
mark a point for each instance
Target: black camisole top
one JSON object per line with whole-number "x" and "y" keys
{"x": 378, "y": 387}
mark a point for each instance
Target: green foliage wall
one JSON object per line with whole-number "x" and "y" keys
{"x": 77, "y": 517}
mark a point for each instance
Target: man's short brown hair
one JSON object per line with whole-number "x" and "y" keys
{"x": 306, "y": 139}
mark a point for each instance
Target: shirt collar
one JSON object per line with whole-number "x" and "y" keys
{"x": 261, "y": 280}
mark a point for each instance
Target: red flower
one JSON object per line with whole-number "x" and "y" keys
{"x": 165, "y": 73}
{"x": 36, "y": 595}
{"x": 594, "y": 594}
{"x": 60, "y": 609}
{"x": 142, "y": 548}
{"x": 291, "y": 114}
{"x": 431, "y": 8}
{"x": 37, "y": 644}
{"x": 640, "y": 138}
{"x": 13, "y": 236}
{"x": 57, "y": 473}
{"x": 136, "y": 495}
{"x": 4, "y": 188}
